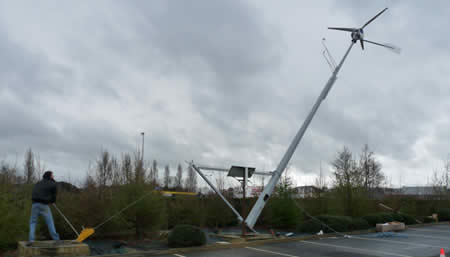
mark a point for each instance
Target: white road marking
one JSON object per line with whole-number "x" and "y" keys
{"x": 272, "y": 252}
{"x": 431, "y": 230}
{"x": 427, "y": 236}
{"x": 179, "y": 255}
{"x": 353, "y": 249}
{"x": 396, "y": 242}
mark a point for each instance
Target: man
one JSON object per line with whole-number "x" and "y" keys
{"x": 44, "y": 193}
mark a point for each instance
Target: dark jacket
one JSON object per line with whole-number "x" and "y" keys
{"x": 44, "y": 192}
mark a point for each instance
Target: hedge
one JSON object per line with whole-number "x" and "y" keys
{"x": 338, "y": 223}
{"x": 427, "y": 219}
{"x": 186, "y": 235}
{"x": 444, "y": 214}
{"x": 383, "y": 217}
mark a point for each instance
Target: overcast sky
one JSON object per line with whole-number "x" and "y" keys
{"x": 223, "y": 82}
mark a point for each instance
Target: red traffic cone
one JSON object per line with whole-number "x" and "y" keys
{"x": 442, "y": 253}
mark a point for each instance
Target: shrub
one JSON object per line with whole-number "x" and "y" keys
{"x": 427, "y": 219}
{"x": 185, "y": 236}
{"x": 373, "y": 219}
{"x": 381, "y": 217}
{"x": 15, "y": 211}
{"x": 384, "y": 217}
{"x": 408, "y": 219}
{"x": 309, "y": 226}
{"x": 359, "y": 224}
{"x": 283, "y": 212}
{"x": 444, "y": 214}
{"x": 338, "y": 223}
{"x": 398, "y": 217}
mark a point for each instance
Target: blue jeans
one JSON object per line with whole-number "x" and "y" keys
{"x": 39, "y": 209}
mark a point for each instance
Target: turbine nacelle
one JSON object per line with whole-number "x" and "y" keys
{"x": 357, "y": 34}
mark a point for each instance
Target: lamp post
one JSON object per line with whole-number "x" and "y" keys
{"x": 142, "y": 133}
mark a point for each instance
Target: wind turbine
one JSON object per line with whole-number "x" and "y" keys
{"x": 357, "y": 34}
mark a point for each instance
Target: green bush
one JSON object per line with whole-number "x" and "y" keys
{"x": 408, "y": 219}
{"x": 444, "y": 214}
{"x": 15, "y": 211}
{"x": 338, "y": 223}
{"x": 215, "y": 213}
{"x": 185, "y": 236}
{"x": 283, "y": 212}
{"x": 427, "y": 219}
{"x": 185, "y": 210}
{"x": 309, "y": 226}
{"x": 373, "y": 219}
{"x": 381, "y": 217}
{"x": 359, "y": 224}
{"x": 398, "y": 217}
{"x": 386, "y": 217}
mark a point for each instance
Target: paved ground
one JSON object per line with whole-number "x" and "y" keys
{"x": 414, "y": 242}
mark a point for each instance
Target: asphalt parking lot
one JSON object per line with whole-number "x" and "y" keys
{"x": 414, "y": 242}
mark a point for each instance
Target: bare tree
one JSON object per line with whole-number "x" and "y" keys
{"x": 29, "y": 167}
{"x": 166, "y": 177}
{"x": 286, "y": 184}
{"x": 438, "y": 181}
{"x": 346, "y": 177}
{"x": 191, "y": 180}
{"x": 139, "y": 169}
{"x": 263, "y": 182}
{"x": 220, "y": 181}
{"x": 40, "y": 166}
{"x": 104, "y": 169}
{"x": 179, "y": 178}
{"x": 346, "y": 172}
{"x": 117, "y": 178}
{"x": 127, "y": 169}
{"x": 89, "y": 182}
{"x": 320, "y": 182}
{"x": 447, "y": 171}
{"x": 370, "y": 169}
{"x": 8, "y": 174}
{"x": 154, "y": 173}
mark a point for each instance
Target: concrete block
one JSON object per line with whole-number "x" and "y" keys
{"x": 390, "y": 226}
{"x": 49, "y": 248}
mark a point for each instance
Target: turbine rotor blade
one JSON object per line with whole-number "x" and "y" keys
{"x": 343, "y": 29}
{"x": 376, "y": 16}
{"x": 391, "y": 47}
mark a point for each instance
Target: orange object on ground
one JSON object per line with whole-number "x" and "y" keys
{"x": 85, "y": 233}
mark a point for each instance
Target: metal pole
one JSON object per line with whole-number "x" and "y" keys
{"x": 68, "y": 222}
{"x": 268, "y": 190}
{"x": 257, "y": 172}
{"x": 244, "y": 198}
{"x": 217, "y": 191}
{"x": 142, "y": 133}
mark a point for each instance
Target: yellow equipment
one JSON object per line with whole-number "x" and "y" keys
{"x": 85, "y": 233}
{"x": 170, "y": 193}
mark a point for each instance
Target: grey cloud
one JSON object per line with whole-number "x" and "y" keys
{"x": 247, "y": 81}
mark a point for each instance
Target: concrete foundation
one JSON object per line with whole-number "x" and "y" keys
{"x": 391, "y": 226}
{"x": 49, "y": 248}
